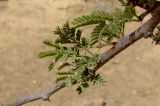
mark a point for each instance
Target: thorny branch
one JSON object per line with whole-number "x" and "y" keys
{"x": 122, "y": 44}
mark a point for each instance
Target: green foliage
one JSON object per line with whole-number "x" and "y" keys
{"x": 98, "y": 33}
{"x": 98, "y": 80}
{"x": 67, "y": 34}
{"x": 71, "y": 51}
{"x": 50, "y": 43}
{"x": 94, "y": 18}
{"x": 46, "y": 54}
{"x": 109, "y": 25}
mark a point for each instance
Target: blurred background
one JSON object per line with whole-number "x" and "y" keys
{"x": 133, "y": 76}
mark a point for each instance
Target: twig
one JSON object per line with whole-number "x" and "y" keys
{"x": 122, "y": 44}
{"x": 41, "y": 95}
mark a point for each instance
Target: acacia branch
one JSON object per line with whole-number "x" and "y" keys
{"x": 143, "y": 31}
{"x": 122, "y": 44}
{"x": 41, "y": 95}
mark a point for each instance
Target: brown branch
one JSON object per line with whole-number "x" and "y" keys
{"x": 128, "y": 40}
{"x": 122, "y": 44}
{"x": 41, "y": 95}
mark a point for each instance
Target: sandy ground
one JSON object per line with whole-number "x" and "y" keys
{"x": 133, "y": 76}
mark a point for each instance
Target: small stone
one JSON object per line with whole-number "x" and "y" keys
{"x": 115, "y": 62}
{"x": 137, "y": 58}
{"x": 134, "y": 92}
{"x": 34, "y": 81}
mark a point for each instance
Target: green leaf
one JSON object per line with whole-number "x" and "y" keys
{"x": 85, "y": 20}
{"x": 129, "y": 12}
{"x": 51, "y": 43}
{"x": 115, "y": 28}
{"x": 46, "y": 54}
{"x": 99, "y": 81}
{"x": 66, "y": 34}
{"x": 61, "y": 78}
{"x": 65, "y": 73}
{"x": 102, "y": 15}
{"x": 94, "y": 18}
{"x": 50, "y": 66}
{"x": 97, "y": 33}
{"x": 81, "y": 88}
{"x": 117, "y": 14}
{"x": 57, "y": 57}
{"x": 69, "y": 82}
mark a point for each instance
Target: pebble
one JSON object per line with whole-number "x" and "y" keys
{"x": 134, "y": 92}
{"x": 115, "y": 62}
{"x": 137, "y": 58}
{"x": 34, "y": 81}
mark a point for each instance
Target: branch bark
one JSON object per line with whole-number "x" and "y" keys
{"x": 122, "y": 44}
{"x": 41, "y": 95}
